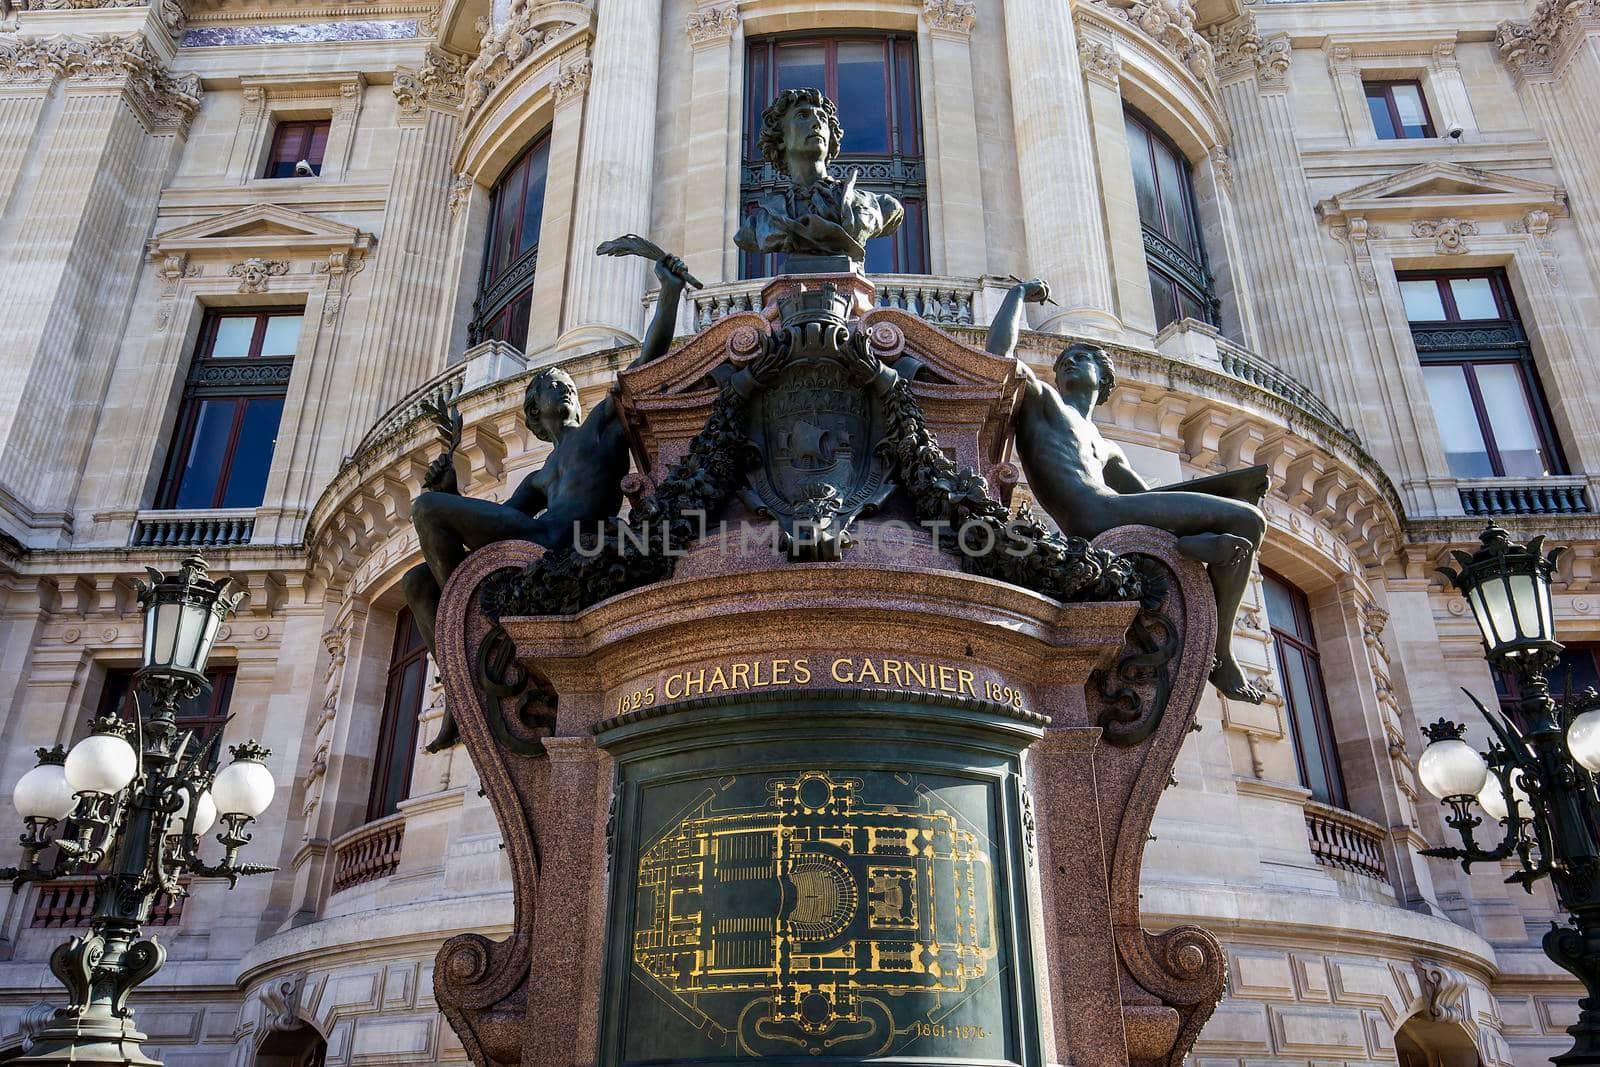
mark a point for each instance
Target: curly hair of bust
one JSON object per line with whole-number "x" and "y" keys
{"x": 771, "y": 139}
{"x": 1108, "y": 374}
{"x": 536, "y": 385}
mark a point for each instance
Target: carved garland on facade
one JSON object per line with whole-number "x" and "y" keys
{"x": 1171, "y": 24}
{"x": 120, "y": 61}
{"x": 525, "y": 32}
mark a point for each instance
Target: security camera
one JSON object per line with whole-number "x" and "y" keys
{"x": 1456, "y": 132}
{"x": 303, "y": 169}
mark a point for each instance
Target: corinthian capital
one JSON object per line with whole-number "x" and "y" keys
{"x": 951, "y": 16}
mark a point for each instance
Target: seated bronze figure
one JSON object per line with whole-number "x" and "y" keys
{"x": 817, "y": 215}
{"x": 1087, "y": 486}
{"x": 579, "y": 484}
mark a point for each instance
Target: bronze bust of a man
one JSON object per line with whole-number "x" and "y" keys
{"x": 817, "y": 215}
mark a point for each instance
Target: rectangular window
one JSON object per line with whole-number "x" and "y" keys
{"x": 297, "y": 142}
{"x": 402, "y": 705}
{"x": 228, "y": 425}
{"x": 1399, "y": 110}
{"x": 1493, "y": 422}
{"x": 1305, "y": 697}
{"x": 204, "y": 713}
{"x": 873, "y": 82}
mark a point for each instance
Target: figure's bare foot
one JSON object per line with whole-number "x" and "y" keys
{"x": 1227, "y": 677}
{"x": 1217, "y": 550}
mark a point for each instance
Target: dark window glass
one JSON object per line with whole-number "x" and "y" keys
{"x": 511, "y": 254}
{"x": 1493, "y": 421}
{"x": 873, "y": 81}
{"x": 1399, "y": 110}
{"x": 204, "y": 714}
{"x": 227, "y": 428}
{"x": 296, "y": 141}
{"x": 1306, "y": 700}
{"x": 402, "y": 704}
{"x": 1180, "y": 284}
{"x": 1577, "y": 668}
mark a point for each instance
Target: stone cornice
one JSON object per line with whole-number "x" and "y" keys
{"x": 170, "y": 12}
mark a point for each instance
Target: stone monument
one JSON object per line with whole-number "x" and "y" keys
{"x": 824, "y": 753}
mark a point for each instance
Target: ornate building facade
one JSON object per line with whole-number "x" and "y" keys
{"x": 246, "y": 241}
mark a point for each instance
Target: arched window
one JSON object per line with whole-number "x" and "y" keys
{"x": 873, "y": 80}
{"x": 300, "y": 1046}
{"x": 516, "y": 212}
{"x": 1180, "y": 284}
{"x": 1305, "y": 697}
{"x": 402, "y": 704}
{"x": 1423, "y": 1042}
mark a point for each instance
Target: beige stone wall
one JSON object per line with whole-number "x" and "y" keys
{"x": 130, "y": 202}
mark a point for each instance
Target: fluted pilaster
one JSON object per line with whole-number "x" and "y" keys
{"x": 615, "y": 171}
{"x": 1061, "y": 209}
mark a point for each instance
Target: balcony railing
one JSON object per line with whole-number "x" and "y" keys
{"x": 1546, "y": 496}
{"x": 69, "y": 902}
{"x": 444, "y": 386}
{"x": 1247, "y": 368}
{"x": 1345, "y": 840}
{"x": 946, "y": 301}
{"x": 369, "y": 853}
{"x": 194, "y": 529}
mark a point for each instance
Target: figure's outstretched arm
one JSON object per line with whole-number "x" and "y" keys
{"x": 658, "y": 338}
{"x": 1007, "y": 325}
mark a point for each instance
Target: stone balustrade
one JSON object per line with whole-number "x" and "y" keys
{"x": 368, "y": 853}
{"x": 945, "y": 301}
{"x": 1542, "y": 496}
{"x": 194, "y": 529}
{"x": 1345, "y": 840}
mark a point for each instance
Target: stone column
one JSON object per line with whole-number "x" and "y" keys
{"x": 1297, "y": 308}
{"x": 75, "y": 248}
{"x": 615, "y": 171}
{"x": 950, "y": 133}
{"x": 571, "y": 90}
{"x": 407, "y": 300}
{"x": 711, "y": 174}
{"x": 27, "y": 74}
{"x": 1055, "y": 161}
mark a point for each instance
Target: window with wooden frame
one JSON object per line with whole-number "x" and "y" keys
{"x": 1399, "y": 110}
{"x": 204, "y": 713}
{"x": 1492, "y": 416}
{"x": 516, "y": 214}
{"x": 1180, "y": 284}
{"x": 1304, "y": 695}
{"x": 872, "y": 79}
{"x": 295, "y": 141}
{"x": 402, "y": 705}
{"x": 228, "y": 425}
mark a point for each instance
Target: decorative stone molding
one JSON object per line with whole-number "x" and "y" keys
{"x": 1448, "y": 234}
{"x": 339, "y": 267}
{"x": 1272, "y": 64}
{"x": 573, "y": 80}
{"x": 529, "y": 31}
{"x": 172, "y": 268}
{"x": 1222, "y": 167}
{"x": 950, "y": 16}
{"x": 254, "y": 273}
{"x": 1101, "y": 62}
{"x": 280, "y": 1002}
{"x": 1440, "y": 190}
{"x": 169, "y": 11}
{"x": 439, "y": 83}
{"x": 1535, "y": 47}
{"x": 1171, "y": 24}
{"x": 460, "y": 192}
{"x": 712, "y": 25}
{"x": 1444, "y": 993}
{"x": 121, "y": 62}
{"x": 1235, "y": 44}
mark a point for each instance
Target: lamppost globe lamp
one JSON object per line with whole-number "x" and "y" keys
{"x": 133, "y": 799}
{"x": 1537, "y": 780}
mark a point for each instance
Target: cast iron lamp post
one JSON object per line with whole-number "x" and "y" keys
{"x": 1538, "y": 778}
{"x": 133, "y": 814}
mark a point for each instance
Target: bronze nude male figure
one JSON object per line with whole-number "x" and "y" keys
{"x": 817, "y": 215}
{"x": 579, "y": 484}
{"x": 1087, "y": 486}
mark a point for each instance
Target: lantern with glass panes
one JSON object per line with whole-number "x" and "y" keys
{"x": 1537, "y": 780}
{"x": 130, "y": 804}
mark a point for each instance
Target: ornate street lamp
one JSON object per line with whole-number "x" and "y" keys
{"x": 1537, "y": 780}
{"x": 133, "y": 814}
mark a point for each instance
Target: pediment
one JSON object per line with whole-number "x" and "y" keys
{"x": 263, "y": 228}
{"x": 1446, "y": 188}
